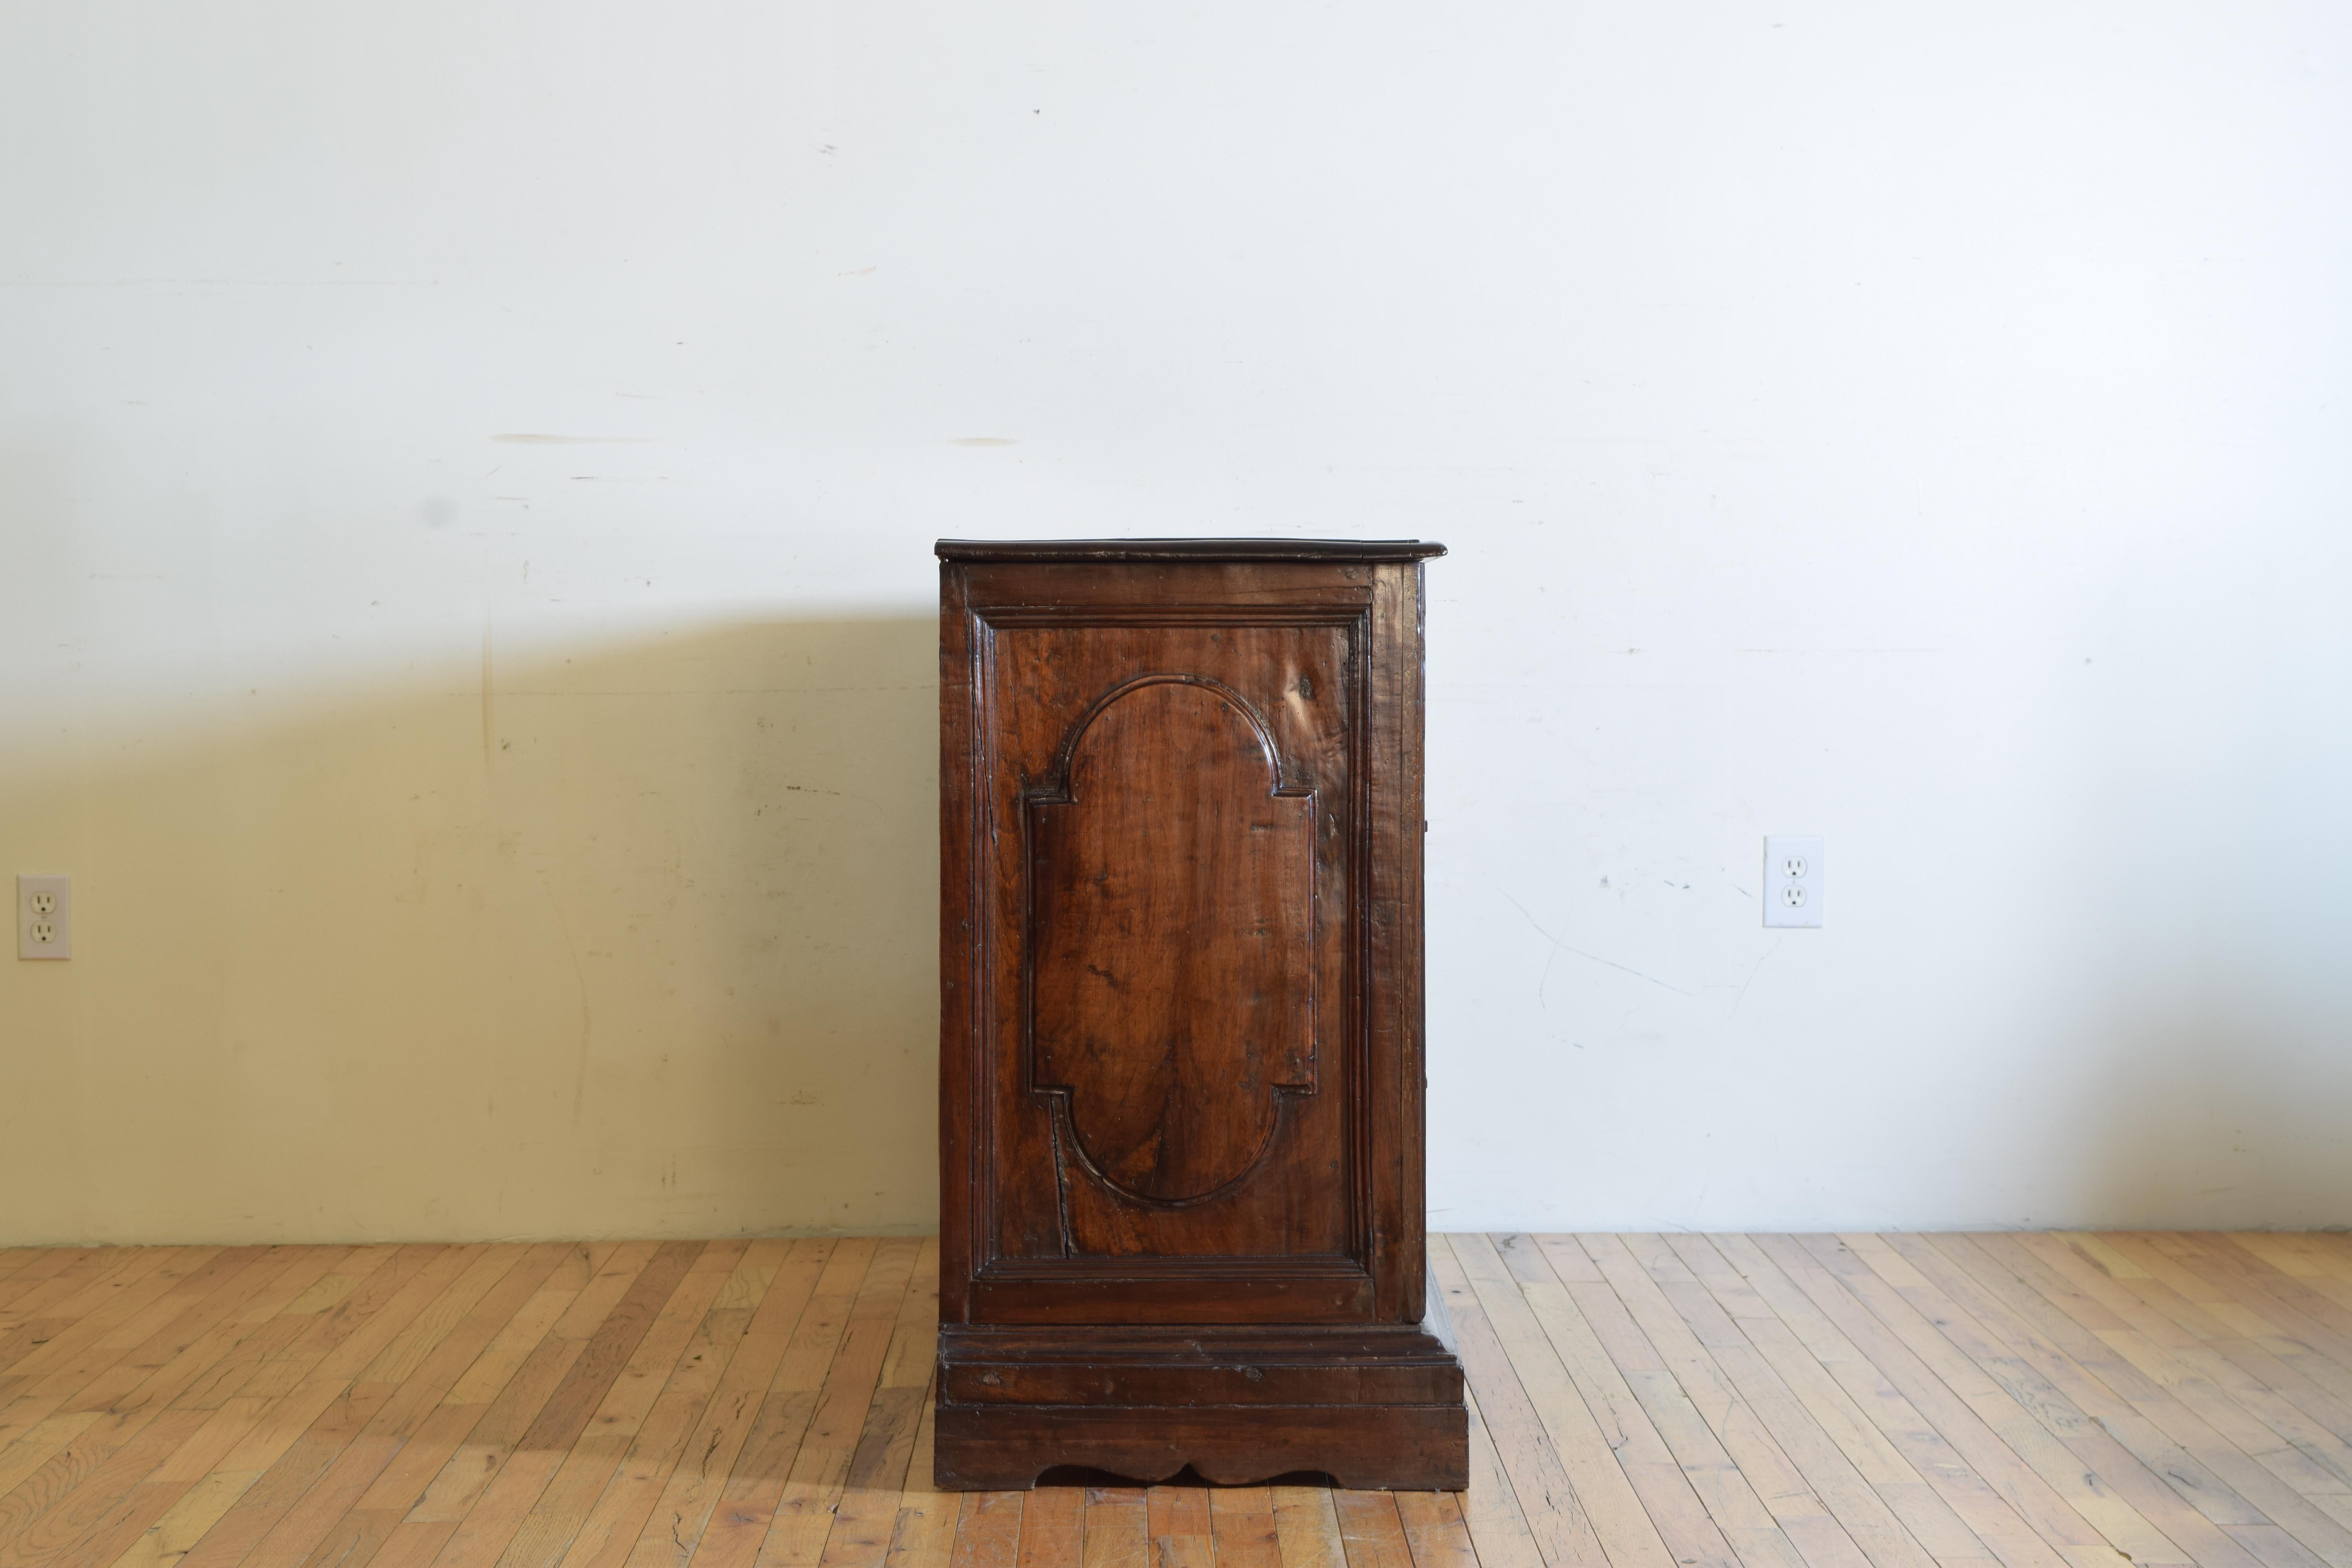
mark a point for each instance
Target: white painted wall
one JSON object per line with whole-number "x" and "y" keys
{"x": 1927, "y": 429}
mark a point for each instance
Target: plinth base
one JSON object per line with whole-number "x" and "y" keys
{"x": 1371, "y": 1407}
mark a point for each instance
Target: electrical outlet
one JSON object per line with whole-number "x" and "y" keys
{"x": 1792, "y": 881}
{"x": 43, "y": 917}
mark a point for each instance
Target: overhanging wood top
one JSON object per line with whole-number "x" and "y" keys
{"x": 1029, "y": 551}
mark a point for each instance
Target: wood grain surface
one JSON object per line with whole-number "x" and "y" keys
{"x": 1172, "y": 995}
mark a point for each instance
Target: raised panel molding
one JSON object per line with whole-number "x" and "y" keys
{"x": 1171, "y": 972}
{"x": 1301, "y": 657}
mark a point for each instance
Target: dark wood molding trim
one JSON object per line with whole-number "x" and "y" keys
{"x": 1046, "y": 550}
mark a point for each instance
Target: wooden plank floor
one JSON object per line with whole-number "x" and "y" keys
{"x": 2030, "y": 1401}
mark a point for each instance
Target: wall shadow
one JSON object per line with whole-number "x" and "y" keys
{"x": 2216, "y": 1102}
{"x": 637, "y": 940}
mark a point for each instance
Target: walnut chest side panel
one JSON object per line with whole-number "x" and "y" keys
{"x": 1181, "y": 1056}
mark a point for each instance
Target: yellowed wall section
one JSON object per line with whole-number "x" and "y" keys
{"x": 642, "y": 944}
{"x": 1922, "y": 426}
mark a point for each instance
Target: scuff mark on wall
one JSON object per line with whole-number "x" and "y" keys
{"x": 537, "y": 439}
{"x": 1752, "y": 972}
{"x": 490, "y": 725}
{"x": 587, "y": 1021}
{"x": 1607, "y": 962}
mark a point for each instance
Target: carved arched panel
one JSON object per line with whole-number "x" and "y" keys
{"x": 1172, "y": 985}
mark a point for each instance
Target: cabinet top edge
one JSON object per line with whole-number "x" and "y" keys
{"x": 1102, "y": 549}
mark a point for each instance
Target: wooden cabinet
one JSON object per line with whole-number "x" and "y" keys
{"x": 1180, "y": 1003}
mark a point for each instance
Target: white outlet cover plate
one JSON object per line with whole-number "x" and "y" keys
{"x": 1793, "y": 880}
{"x": 57, "y": 917}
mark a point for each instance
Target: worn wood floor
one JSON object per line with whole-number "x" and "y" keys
{"x": 2046, "y": 1401}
